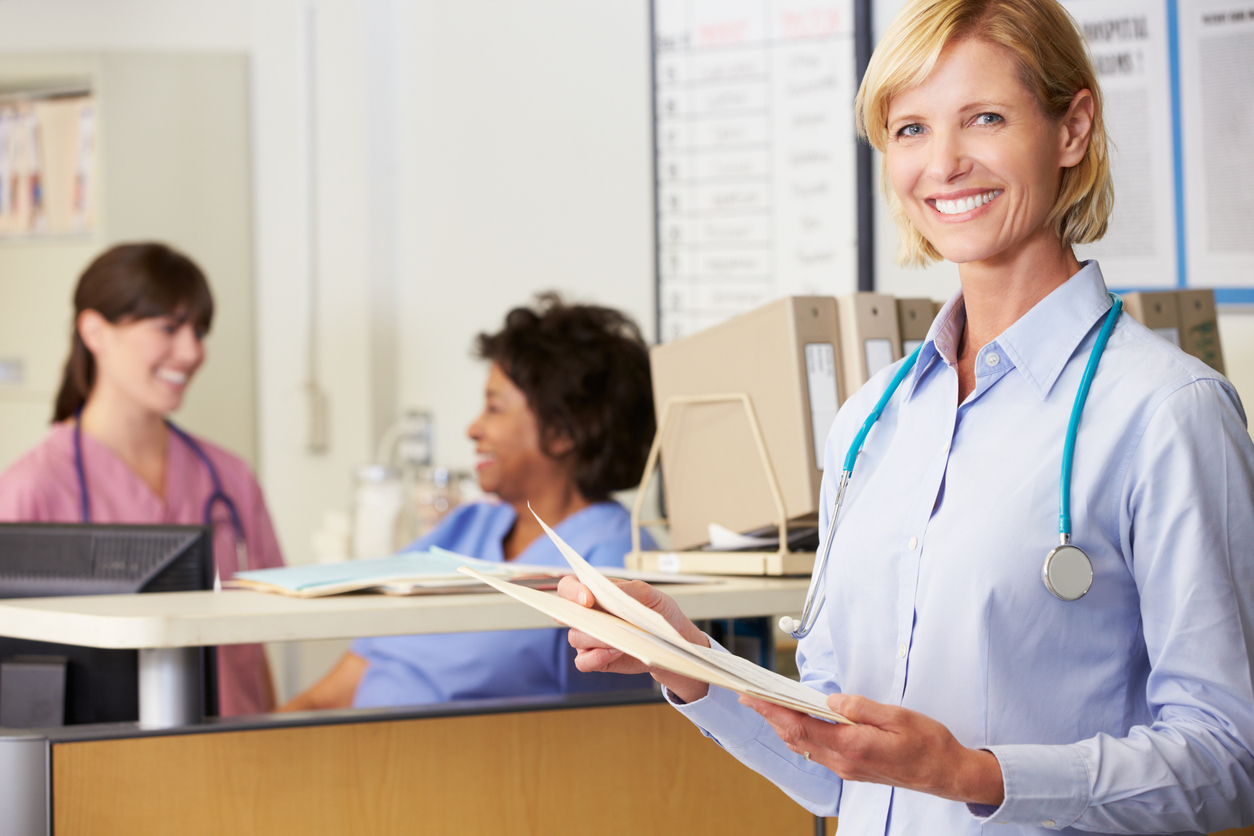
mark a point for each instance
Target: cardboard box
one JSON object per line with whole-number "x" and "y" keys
{"x": 786, "y": 356}
{"x": 1157, "y": 311}
{"x": 1199, "y": 327}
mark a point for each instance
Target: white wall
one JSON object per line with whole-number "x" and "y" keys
{"x": 526, "y": 166}
{"x": 469, "y": 155}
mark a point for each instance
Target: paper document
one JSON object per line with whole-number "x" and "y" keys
{"x": 413, "y": 573}
{"x": 400, "y": 574}
{"x": 643, "y": 634}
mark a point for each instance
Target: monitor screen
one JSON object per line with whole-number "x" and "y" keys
{"x": 54, "y": 559}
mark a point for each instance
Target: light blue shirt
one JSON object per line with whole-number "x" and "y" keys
{"x": 1130, "y": 710}
{"x": 412, "y": 670}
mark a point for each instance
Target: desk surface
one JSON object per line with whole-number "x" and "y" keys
{"x": 194, "y": 619}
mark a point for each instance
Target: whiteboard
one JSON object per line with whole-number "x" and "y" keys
{"x": 755, "y": 143}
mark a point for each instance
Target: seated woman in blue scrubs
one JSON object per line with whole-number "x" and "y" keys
{"x": 567, "y": 418}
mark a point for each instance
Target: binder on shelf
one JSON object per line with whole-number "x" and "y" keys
{"x": 1199, "y": 327}
{"x": 914, "y": 316}
{"x": 1157, "y": 311}
{"x": 870, "y": 336}
{"x": 785, "y": 357}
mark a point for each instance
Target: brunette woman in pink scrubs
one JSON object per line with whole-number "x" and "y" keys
{"x": 112, "y": 456}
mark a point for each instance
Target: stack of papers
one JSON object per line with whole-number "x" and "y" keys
{"x": 415, "y": 573}
{"x": 638, "y": 631}
{"x": 409, "y": 573}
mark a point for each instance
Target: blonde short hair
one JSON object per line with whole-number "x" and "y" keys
{"x": 1053, "y": 63}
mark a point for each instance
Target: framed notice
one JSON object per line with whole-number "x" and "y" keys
{"x": 756, "y": 192}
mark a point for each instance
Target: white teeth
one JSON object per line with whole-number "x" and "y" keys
{"x": 171, "y": 376}
{"x": 954, "y": 207}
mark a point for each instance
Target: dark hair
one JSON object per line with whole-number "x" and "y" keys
{"x": 125, "y": 283}
{"x": 584, "y": 370}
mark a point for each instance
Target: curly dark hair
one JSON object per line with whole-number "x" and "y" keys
{"x": 584, "y": 370}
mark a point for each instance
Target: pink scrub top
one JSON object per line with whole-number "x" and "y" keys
{"x": 42, "y": 486}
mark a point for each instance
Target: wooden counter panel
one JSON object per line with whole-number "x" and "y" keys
{"x": 629, "y": 769}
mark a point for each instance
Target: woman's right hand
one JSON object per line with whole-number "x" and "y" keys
{"x": 594, "y": 655}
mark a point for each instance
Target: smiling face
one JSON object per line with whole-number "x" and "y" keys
{"x": 510, "y": 460}
{"x": 975, "y": 160}
{"x": 148, "y": 362}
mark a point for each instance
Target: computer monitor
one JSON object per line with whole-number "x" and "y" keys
{"x": 785, "y": 356}
{"x": 53, "y": 559}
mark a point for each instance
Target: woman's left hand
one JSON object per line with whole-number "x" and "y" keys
{"x": 889, "y": 745}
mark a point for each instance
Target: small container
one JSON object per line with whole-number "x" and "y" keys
{"x": 379, "y": 510}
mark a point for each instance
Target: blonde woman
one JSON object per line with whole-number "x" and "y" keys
{"x": 982, "y": 691}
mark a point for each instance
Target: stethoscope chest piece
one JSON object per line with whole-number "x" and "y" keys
{"x": 1068, "y": 573}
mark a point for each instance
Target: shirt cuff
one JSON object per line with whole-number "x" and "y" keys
{"x": 1044, "y": 785}
{"x": 719, "y": 714}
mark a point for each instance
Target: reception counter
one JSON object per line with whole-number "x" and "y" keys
{"x": 587, "y": 763}
{"x": 601, "y": 763}
{"x": 167, "y": 627}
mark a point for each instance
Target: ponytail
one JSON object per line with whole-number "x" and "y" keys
{"x": 76, "y": 382}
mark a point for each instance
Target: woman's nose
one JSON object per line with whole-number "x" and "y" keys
{"x": 188, "y": 345}
{"x": 475, "y": 430}
{"x": 948, "y": 158}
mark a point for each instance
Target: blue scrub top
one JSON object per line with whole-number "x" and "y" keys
{"x": 411, "y": 670}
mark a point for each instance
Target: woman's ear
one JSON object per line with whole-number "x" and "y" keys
{"x": 91, "y": 326}
{"x": 559, "y": 444}
{"x": 1076, "y": 126}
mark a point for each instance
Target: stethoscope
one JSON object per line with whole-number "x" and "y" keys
{"x": 218, "y": 495}
{"x": 1068, "y": 571}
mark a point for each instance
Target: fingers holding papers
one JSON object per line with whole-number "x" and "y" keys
{"x": 595, "y": 655}
{"x": 888, "y": 745}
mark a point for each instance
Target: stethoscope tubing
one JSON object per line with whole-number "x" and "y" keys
{"x": 1077, "y": 408}
{"x": 218, "y": 494}
{"x": 812, "y": 605}
{"x": 816, "y": 597}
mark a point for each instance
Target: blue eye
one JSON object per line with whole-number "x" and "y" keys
{"x": 913, "y": 129}
{"x": 988, "y": 119}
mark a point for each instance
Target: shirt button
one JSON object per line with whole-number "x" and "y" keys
{"x": 901, "y": 650}
{"x": 992, "y": 358}
{"x": 1048, "y": 823}
{"x": 914, "y": 541}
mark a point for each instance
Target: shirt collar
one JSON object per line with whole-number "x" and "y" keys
{"x": 941, "y": 342}
{"x": 1040, "y": 343}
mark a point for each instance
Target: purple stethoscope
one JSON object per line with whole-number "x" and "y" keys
{"x": 218, "y": 495}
